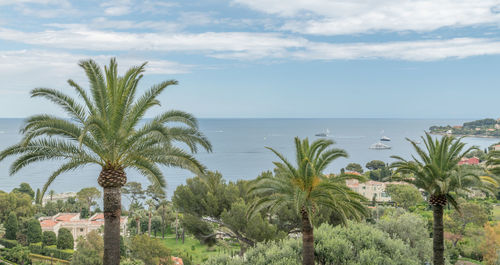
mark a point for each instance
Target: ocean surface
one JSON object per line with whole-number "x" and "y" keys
{"x": 239, "y": 148}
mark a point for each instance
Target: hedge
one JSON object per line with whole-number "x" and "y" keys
{"x": 8, "y": 243}
{"x": 45, "y": 258}
{"x": 56, "y": 253}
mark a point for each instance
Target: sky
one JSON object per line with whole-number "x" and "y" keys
{"x": 265, "y": 58}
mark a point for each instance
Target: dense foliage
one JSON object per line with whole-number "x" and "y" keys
{"x": 34, "y": 233}
{"x": 358, "y": 243}
{"x": 11, "y": 226}
{"x": 65, "y": 239}
{"x": 49, "y": 238}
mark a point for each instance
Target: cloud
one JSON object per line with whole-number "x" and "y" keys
{"x": 81, "y": 37}
{"x": 25, "y": 69}
{"x": 251, "y": 46}
{"x": 41, "y": 8}
{"x": 325, "y": 17}
{"x": 426, "y": 50}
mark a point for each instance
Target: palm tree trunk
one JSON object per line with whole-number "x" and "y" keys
{"x": 112, "y": 213}
{"x": 138, "y": 223}
{"x": 307, "y": 240}
{"x": 163, "y": 222}
{"x": 438, "y": 235}
{"x": 149, "y": 224}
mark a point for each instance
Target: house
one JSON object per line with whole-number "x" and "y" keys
{"x": 177, "y": 261}
{"x": 496, "y": 147}
{"x": 469, "y": 161}
{"x": 371, "y": 189}
{"x": 77, "y": 226}
{"x": 58, "y": 197}
{"x": 457, "y": 127}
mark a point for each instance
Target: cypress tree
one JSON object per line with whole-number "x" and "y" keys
{"x": 34, "y": 233}
{"x": 65, "y": 239}
{"x": 49, "y": 238}
{"x": 11, "y": 227}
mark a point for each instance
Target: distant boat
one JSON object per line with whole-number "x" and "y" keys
{"x": 379, "y": 146}
{"x": 385, "y": 138}
{"x": 325, "y": 134}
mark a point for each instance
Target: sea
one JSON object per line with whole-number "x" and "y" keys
{"x": 239, "y": 148}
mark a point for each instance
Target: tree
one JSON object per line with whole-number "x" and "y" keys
{"x": 375, "y": 164}
{"x": 26, "y": 189}
{"x": 107, "y": 131}
{"x": 151, "y": 251}
{"x": 491, "y": 244}
{"x": 34, "y": 233}
{"x": 15, "y": 202}
{"x": 89, "y": 196}
{"x": 135, "y": 192}
{"x": 89, "y": 250}
{"x": 405, "y": 196}
{"x": 437, "y": 172}
{"x": 306, "y": 188}
{"x": 358, "y": 243}
{"x": 49, "y": 238}
{"x": 470, "y": 213}
{"x": 354, "y": 167}
{"x": 11, "y": 227}
{"x": 411, "y": 228}
{"x": 65, "y": 239}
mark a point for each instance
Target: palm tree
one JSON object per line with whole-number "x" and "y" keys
{"x": 437, "y": 172}
{"x": 151, "y": 205}
{"x": 307, "y": 189}
{"x": 107, "y": 129}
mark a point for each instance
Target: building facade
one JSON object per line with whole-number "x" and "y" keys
{"x": 75, "y": 224}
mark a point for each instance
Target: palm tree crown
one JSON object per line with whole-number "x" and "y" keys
{"x": 307, "y": 189}
{"x": 106, "y": 129}
{"x": 437, "y": 171}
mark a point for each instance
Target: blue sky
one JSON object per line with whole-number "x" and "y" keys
{"x": 265, "y": 58}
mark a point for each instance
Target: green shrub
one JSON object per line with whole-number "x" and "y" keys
{"x": 65, "y": 239}
{"x": 49, "y": 238}
{"x": 11, "y": 227}
{"x": 358, "y": 243}
{"x": 8, "y": 243}
{"x": 34, "y": 233}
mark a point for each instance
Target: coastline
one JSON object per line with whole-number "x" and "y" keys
{"x": 468, "y": 135}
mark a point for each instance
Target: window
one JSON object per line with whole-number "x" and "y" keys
{"x": 81, "y": 229}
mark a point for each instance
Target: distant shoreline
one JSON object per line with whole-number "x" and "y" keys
{"x": 467, "y": 135}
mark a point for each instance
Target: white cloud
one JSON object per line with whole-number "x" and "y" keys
{"x": 54, "y": 68}
{"x": 251, "y": 46}
{"x": 427, "y": 50}
{"x": 117, "y": 7}
{"x": 80, "y": 37}
{"x": 326, "y": 17}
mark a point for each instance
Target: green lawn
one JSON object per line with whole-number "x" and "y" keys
{"x": 193, "y": 248}
{"x": 496, "y": 212}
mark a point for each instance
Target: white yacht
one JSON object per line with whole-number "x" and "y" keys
{"x": 325, "y": 134}
{"x": 385, "y": 138}
{"x": 379, "y": 146}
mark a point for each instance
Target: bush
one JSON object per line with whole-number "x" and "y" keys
{"x": 8, "y": 243}
{"x": 49, "y": 251}
{"x": 18, "y": 254}
{"x": 34, "y": 233}
{"x": 358, "y": 243}
{"x": 11, "y": 227}
{"x": 65, "y": 239}
{"x": 49, "y": 238}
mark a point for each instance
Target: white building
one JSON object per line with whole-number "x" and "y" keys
{"x": 77, "y": 226}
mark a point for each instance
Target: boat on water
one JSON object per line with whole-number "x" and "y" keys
{"x": 385, "y": 138}
{"x": 325, "y": 134}
{"x": 379, "y": 146}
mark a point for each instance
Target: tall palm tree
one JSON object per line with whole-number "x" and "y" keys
{"x": 107, "y": 129}
{"x": 305, "y": 187}
{"x": 437, "y": 172}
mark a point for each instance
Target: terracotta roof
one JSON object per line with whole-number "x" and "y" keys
{"x": 177, "y": 261}
{"x": 47, "y": 223}
{"x": 65, "y": 217}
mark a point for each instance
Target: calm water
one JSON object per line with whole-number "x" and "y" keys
{"x": 239, "y": 148}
